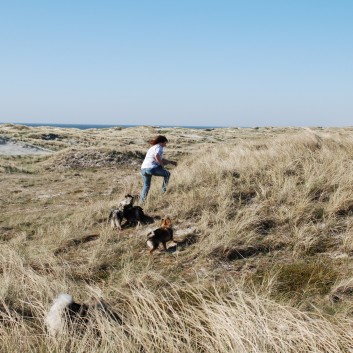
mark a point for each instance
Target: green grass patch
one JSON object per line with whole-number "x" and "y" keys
{"x": 305, "y": 278}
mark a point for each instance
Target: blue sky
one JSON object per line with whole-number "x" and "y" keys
{"x": 214, "y": 63}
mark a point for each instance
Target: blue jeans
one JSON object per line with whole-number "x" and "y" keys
{"x": 147, "y": 176}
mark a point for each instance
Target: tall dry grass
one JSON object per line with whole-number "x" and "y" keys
{"x": 168, "y": 318}
{"x": 286, "y": 202}
{"x": 302, "y": 184}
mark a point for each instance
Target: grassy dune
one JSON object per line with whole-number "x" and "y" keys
{"x": 264, "y": 227}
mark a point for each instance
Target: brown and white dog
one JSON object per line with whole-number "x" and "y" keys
{"x": 163, "y": 234}
{"x": 65, "y": 314}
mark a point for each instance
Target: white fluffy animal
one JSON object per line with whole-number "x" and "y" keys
{"x": 67, "y": 314}
{"x": 55, "y": 319}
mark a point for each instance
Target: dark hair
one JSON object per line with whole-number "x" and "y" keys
{"x": 158, "y": 139}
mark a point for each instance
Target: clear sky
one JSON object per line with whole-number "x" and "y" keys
{"x": 181, "y": 62}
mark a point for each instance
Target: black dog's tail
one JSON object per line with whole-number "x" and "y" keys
{"x": 147, "y": 219}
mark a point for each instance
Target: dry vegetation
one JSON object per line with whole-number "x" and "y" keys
{"x": 264, "y": 224}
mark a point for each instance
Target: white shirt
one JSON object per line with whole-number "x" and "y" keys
{"x": 150, "y": 160}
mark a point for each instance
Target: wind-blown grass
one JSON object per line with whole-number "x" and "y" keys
{"x": 266, "y": 267}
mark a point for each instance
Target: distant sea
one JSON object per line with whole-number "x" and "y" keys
{"x": 92, "y": 126}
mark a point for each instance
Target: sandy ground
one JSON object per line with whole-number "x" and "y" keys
{"x": 16, "y": 149}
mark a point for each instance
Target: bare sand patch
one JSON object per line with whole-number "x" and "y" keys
{"x": 9, "y": 148}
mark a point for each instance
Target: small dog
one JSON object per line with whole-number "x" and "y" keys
{"x": 117, "y": 214}
{"x": 115, "y": 218}
{"x": 125, "y": 209}
{"x": 64, "y": 313}
{"x": 160, "y": 235}
{"x": 133, "y": 215}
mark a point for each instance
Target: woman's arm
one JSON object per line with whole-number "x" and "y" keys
{"x": 167, "y": 161}
{"x": 160, "y": 160}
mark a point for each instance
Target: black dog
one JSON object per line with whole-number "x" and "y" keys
{"x": 134, "y": 215}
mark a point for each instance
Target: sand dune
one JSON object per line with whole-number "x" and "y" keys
{"x": 9, "y": 148}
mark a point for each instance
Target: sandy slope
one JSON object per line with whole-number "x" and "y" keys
{"x": 18, "y": 149}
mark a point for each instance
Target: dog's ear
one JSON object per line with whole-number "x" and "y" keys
{"x": 167, "y": 222}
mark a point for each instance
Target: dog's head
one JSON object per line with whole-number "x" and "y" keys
{"x": 127, "y": 201}
{"x": 166, "y": 223}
